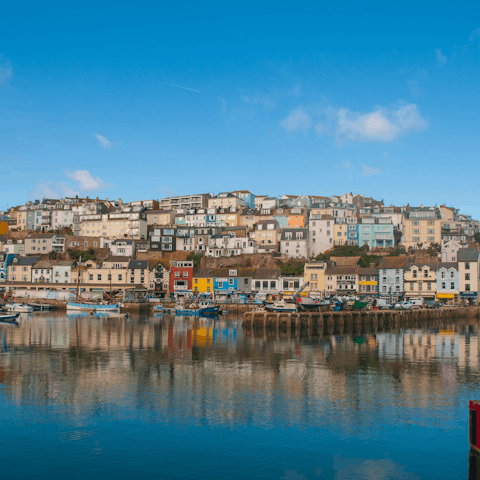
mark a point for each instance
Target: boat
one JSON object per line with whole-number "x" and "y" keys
{"x": 201, "y": 308}
{"x": 92, "y": 307}
{"x": 281, "y": 306}
{"x": 9, "y": 317}
{"x": 19, "y": 307}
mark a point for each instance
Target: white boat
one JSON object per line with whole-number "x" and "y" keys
{"x": 9, "y": 317}
{"x": 92, "y": 307}
{"x": 19, "y": 307}
{"x": 281, "y": 306}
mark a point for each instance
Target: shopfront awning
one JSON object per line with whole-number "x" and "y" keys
{"x": 445, "y": 295}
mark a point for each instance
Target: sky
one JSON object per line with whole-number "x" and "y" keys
{"x": 142, "y": 100}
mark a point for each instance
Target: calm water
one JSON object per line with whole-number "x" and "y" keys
{"x": 157, "y": 397}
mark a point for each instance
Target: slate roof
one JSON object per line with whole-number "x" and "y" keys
{"x": 64, "y": 263}
{"x": 368, "y": 271}
{"x": 25, "y": 261}
{"x": 223, "y": 272}
{"x": 138, "y": 265}
{"x": 432, "y": 266}
{"x": 294, "y": 231}
{"x": 116, "y": 259}
{"x": 342, "y": 270}
{"x": 467, "y": 255}
{"x": 128, "y": 242}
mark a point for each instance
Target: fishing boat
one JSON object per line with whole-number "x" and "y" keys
{"x": 9, "y": 317}
{"x": 201, "y": 308}
{"x": 92, "y": 307}
{"x": 41, "y": 307}
{"x": 19, "y": 307}
{"x": 281, "y": 306}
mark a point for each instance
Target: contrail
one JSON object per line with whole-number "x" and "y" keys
{"x": 179, "y": 86}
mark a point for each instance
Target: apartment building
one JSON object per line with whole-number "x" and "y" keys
{"x": 185, "y": 201}
{"x": 422, "y": 226}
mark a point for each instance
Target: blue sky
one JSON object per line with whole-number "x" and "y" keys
{"x": 306, "y": 97}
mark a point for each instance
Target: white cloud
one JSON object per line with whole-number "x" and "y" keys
{"x": 86, "y": 181}
{"x": 369, "y": 170}
{"x": 381, "y": 125}
{"x": 297, "y": 120}
{"x": 83, "y": 181}
{"x": 475, "y": 34}
{"x": 321, "y": 128}
{"x": 440, "y": 56}
{"x": 103, "y": 141}
{"x": 370, "y": 126}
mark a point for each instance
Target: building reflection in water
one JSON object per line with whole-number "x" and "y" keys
{"x": 212, "y": 371}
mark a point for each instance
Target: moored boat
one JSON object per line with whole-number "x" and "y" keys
{"x": 9, "y": 317}
{"x": 281, "y": 306}
{"x": 92, "y": 307}
{"x": 19, "y": 307}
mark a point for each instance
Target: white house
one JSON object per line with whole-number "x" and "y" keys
{"x": 122, "y": 248}
{"x": 294, "y": 242}
{"x": 320, "y": 234}
{"x": 62, "y": 271}
{"x": 42, "y": 271}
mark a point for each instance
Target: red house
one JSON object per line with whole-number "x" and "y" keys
{"x": 181, "y": 274}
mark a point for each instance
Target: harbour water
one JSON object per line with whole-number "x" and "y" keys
{"x": 162, "y": 397}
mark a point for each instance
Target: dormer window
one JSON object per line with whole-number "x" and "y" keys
{"x": 414, "y": 273}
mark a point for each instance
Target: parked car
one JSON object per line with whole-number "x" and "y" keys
{"x": 433, "y": 304}
{"x": 403, "y": 306}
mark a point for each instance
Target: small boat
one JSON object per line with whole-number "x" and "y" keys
{"x": 281, "y": 306}
{"x": 202, "y": 308}
{"x": 92, "y": 307}
{"x": 41, "y": 307}
{"x": 19, "y": 307}
{"x": 9, "y": 317}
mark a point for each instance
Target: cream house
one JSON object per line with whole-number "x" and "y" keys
{"x": 421, "y": 280}
{"x": 314, "y": 273}
{"x": 421, "y": 227}
{"x": 160, "y": 217}
{"x": 119, "y": 225}
{"x": 266, "y": 235}
{"x": 20, "y": 269}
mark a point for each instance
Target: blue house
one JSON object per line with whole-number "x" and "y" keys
{"x": 225, "y": 280}
{"x": 246, "y": 196}
{"x": 391, "y": 278}
{"x": 5, "y": 260}
{"x": 448, "y": 284}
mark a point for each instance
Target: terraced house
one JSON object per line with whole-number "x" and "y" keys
{"x": 422, "y": 226}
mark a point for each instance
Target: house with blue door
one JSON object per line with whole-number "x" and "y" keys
{"x": 227, "y": 282}
{"x": 5, "y": 260}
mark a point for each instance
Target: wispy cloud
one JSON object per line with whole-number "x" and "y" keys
{"x": 440, "y": 56}
{"x": 262, "y": 100}
{"x": 82, "y": 181}
{"x": 180, "y": 86}
{"x": 297, "y": 120}
{"x": 475, "y": 35}
{"x": 366, "y": 170}
{"x": 5, "y": 73}
{"x": 85, "y": 181}
{"x": 103, "y": 141}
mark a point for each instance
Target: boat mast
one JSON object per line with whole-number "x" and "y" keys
{"x": 78, "y": 276}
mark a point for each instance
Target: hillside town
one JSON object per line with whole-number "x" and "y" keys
{"x": 240, "y": 244}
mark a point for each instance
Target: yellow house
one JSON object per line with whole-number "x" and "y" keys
{"x": 421, "y": 227}
{"x": 314, "y": 272}
{"x": 202, "y": 280}
{"x": 297, "y": 218}
{"x": 340, "y": 234}
{"x": 421, "y": 280}
{"x": 248, "y": 218}
{"x": 447, "y": 213}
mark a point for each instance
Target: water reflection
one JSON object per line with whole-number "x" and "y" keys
{"x": 205, "y": 371}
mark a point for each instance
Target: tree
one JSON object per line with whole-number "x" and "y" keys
{"x": 195, "y": 258}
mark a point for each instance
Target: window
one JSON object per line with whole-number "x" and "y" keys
{"x": 230, "y": 281}
{"x": 467, "y": 287}
{"x": 443, "y": 274}
{"x": 425, "y": 273}
{"x": 90, "y": 277}
{"x": 185, "y": 274}
{"x": 220, "y": 284}
{"x": 99, "y": 276}
{"x": 397, "y": 279}
{"x": 467, "y": 276}
{"x": 120, "y": 278}
{"x": 412, "y": 286}
{"x": 273, "y": 285}
{"x": 177, "y": 274}
{"x": 265, "y": 285}
{"x": 452, "y": 274}
{"x": 414, "y": 273}
{"x": 467, "y": 266}
{"x": 452, "y": 286}
{"x": 257, "y": 285}
{"x": 85, "y": 244}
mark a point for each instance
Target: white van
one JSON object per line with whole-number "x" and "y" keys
{"x": 381, "y": 303}
{"x": 417, "y": 302}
